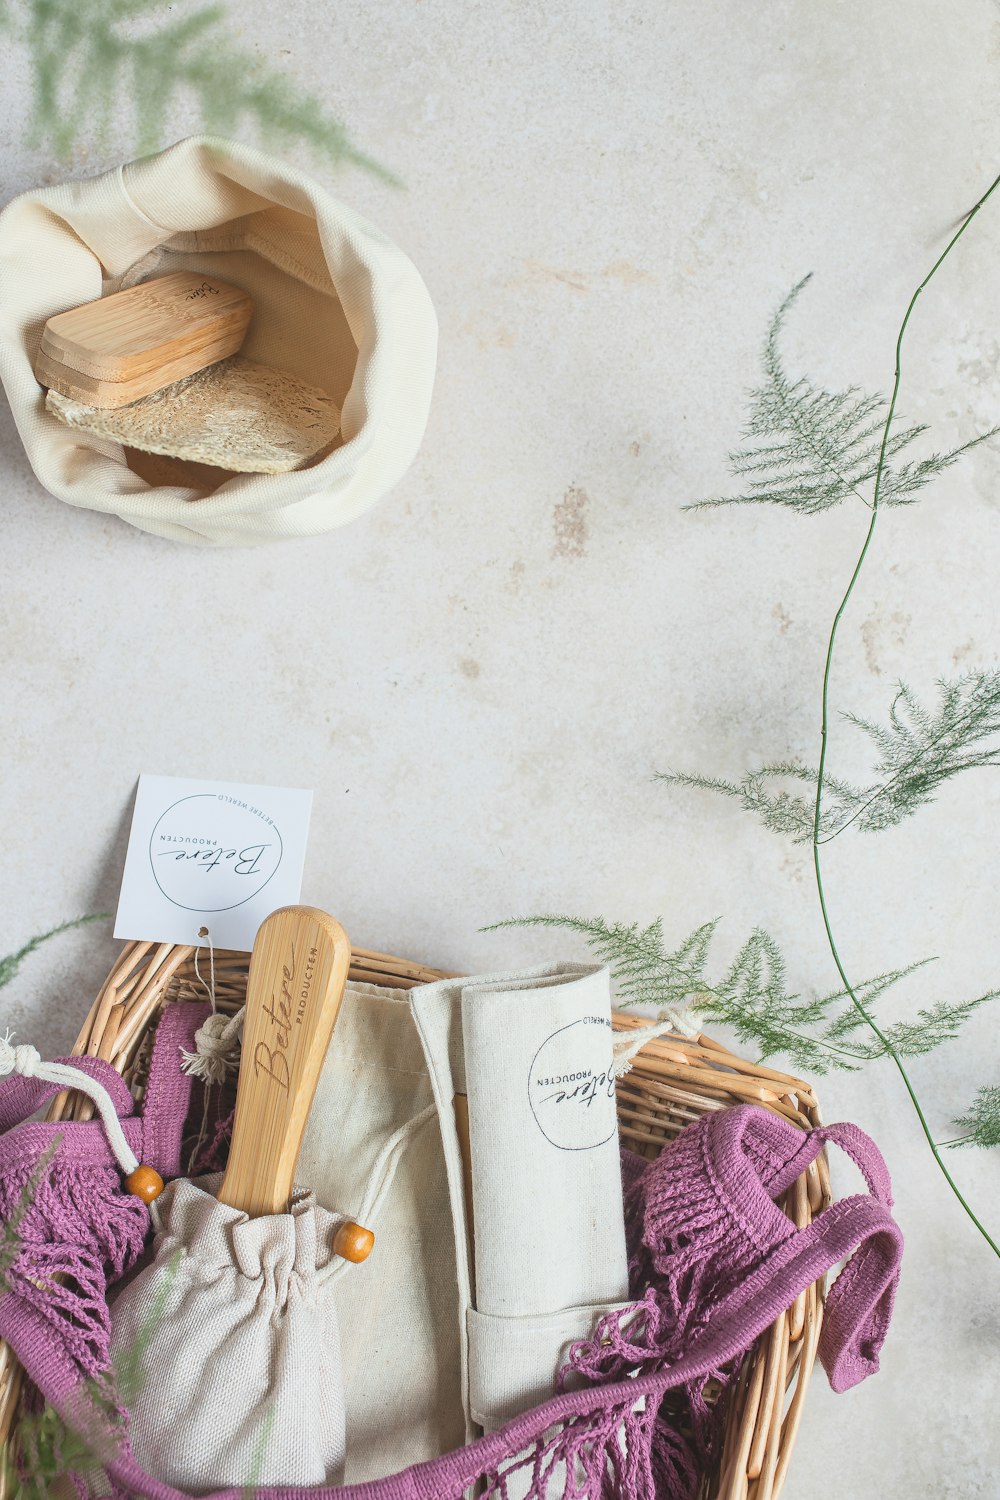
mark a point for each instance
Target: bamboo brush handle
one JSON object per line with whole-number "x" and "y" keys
{"x": 298, "y": 970}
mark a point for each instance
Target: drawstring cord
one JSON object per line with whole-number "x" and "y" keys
{"x": 379, "y": 1182}
{"x": 26, "y": 1061}
{"x": 681, "y": 1020}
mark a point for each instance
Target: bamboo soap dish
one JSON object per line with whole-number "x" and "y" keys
{"x": 110, "y": 352}
{"x": 157, "y": 369}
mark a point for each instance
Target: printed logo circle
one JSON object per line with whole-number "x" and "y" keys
{"x": 217, "y": 846}
{"x": 571, "y": 1085}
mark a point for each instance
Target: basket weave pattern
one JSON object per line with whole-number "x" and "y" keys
{"x": 672, "y": 1081}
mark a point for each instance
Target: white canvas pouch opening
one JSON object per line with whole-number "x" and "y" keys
{"x": 336, "y": 304}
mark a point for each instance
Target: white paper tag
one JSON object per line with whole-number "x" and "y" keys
{"x": 210, "y": 855}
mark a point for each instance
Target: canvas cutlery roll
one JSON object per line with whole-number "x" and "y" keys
{"x": 529, "y": 1058}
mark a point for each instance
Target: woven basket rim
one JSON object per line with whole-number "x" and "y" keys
{"x": 672, "y": 1080}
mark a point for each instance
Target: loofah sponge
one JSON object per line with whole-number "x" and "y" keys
{"x": 236, "y": 415}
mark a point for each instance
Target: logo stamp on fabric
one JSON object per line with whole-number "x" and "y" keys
{"x": 210, "y": 855}
{"x": 571, "y": 1085}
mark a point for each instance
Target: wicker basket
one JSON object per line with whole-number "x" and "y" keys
{"x": 672, "y": 1081}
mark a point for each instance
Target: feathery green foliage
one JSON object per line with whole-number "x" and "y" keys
{"x": 753, "y": 997}
{"x": 48, "y": 1449}
{"x": 917, "y": 750}
{"x": 10, "y": 965}
{"x": 810, "y": 449}
{"x": 89, "y": 57}
{"x": 645, "y": 972}
{"x": 762, "y": 793}
{"x": 981, "y": 1126}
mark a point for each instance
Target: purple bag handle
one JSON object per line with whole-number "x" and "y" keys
{"x": 168, "y": 1089}
{"x": 155, "y": 1137}
{"x": 21, "y": 1097}
{"x": 862, "y": 1150}
{"x": 859, "y": 1303}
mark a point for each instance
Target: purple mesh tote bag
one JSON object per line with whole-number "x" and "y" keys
{"x": 713, "y": 1261}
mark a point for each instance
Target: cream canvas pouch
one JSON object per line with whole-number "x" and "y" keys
{"x": 336, "y": 305}
{"x": 235, "y": 1333}
{"x": 532, "y": 1052}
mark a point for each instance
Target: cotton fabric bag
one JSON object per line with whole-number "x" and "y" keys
{"x": 336, "y": 304}
{"x": 372, "y": 1150}
{"x": 240, "y": 1376}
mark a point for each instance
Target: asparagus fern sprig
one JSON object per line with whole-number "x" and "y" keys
{"x": 916, "y": 751}
{"x": 810, "y": 449}
{"x": 92, "y": 59}
{"x": 10, "y": 965}
{"x": 752, "y": 995}
{"x": 980, "y": 1125}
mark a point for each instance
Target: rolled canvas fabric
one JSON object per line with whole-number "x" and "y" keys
{"x": 239, "y": 1377}
{"x": 336, "y": 304}
{"x": 550, "y": 1256}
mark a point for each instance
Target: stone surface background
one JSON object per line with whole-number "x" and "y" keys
{"x": 480, "y": 678}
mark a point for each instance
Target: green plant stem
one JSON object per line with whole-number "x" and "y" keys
{"x": 824, "y": 732}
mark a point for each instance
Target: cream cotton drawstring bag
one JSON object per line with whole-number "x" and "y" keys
{"x": 336, "y": 304}
{"x": 241, "y": 1375}
{"x": 372, "y": 1149}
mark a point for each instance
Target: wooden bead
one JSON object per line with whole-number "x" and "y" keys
{"x": 145, "y": 1183}
{"x": 353, "y": 1242}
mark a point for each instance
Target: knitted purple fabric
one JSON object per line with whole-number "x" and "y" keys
{"x": 81, "y": 1230}
{"x": 714, "y": 1260}
{"x": 706, "y": 1238}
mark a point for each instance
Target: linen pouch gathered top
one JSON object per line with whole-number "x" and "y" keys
{"x": 713, "y": 1262}
{"x": 240, "y": 1377}
{"x": 336, "y": 304}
